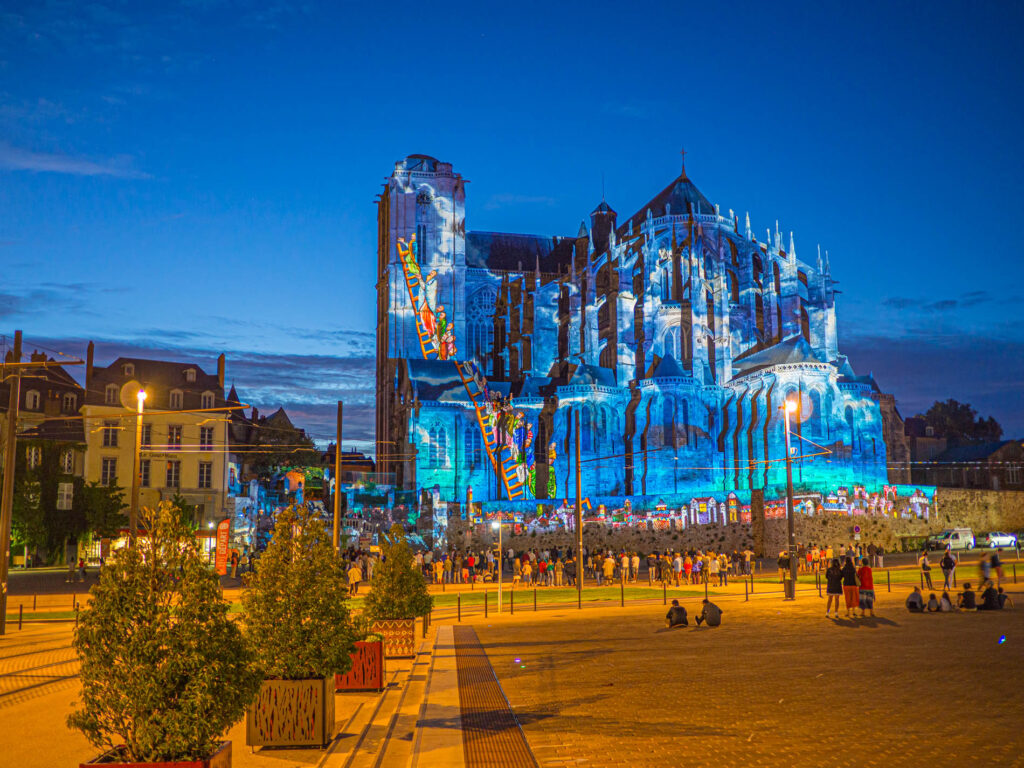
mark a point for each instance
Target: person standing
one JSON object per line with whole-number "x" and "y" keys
{"x": 527, "y": 573}
{"x": 714, "y": 569}
{"x": 850, "y": 590}
{"x": 355, "y": 573}
{"x": 559, "y": 571}
{"x": 723, "y": 570}
{"x": 948, "y": 565}
{"x": 866, "y": 590}
{"x": 833, "y": 586}
{"x": 608, "y": 568}
{"x": 997, "y": 566}
{"x": 677, "y": 567}
{"x": 926, "y": 569}
{"x": 652, "y": 566}
{"x": 634, "y": 567}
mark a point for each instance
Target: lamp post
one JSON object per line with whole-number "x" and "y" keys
{"x": 497, "y": 525}
{"x": 789, "y": 408}
{"x": 133, "y": 511}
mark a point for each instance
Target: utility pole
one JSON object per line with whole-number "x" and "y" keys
{"x": 7, "y": 498}
{"x": 133, "y": 510}
{"x": 579, "y": 521}
{"x": 337, "y": 487}
{"x": 788, "y": 408}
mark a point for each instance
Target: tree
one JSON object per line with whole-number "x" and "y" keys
{"x": 398, "y": 590}
{"x": 958, "y": 422}
{"x": 102, "y": 508}
{"x": 296, "y": 603}
{"x": 164, "y": 670}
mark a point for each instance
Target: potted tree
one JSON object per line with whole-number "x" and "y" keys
{"x": 164, "y": 670}
{"x": 297, "y": 619}
{"x": 398, "y": 594}
{"x": 367, "y": 670}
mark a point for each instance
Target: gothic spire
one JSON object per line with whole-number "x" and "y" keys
{"x": 749, "y": 234}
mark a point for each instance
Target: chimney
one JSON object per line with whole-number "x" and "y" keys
{"x": 89, "y": 353}
{"x": 220, "y": 371}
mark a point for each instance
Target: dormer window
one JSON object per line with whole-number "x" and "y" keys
{"x": 190, "y": 375}
{"x": 69, "y": 403}
{"x": 207, "y": 400}
{"x": 176, "y": 399}
{"x": 32, "y": 400}
{"x": 111, "y": 394}
{"x": 128, "y": 369}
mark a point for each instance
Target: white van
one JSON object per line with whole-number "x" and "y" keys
{"x": 954, "y": 538}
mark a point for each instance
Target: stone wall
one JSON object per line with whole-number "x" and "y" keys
{"x": 981, "y": 511}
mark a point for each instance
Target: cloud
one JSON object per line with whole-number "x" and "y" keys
{"x": 18, "y": 159}
{"x": 942, "y": 306}
{"x": 500, "y": 201}
{"x": 896, "y": 302}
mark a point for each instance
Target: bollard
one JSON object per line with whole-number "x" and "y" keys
{"x": 76, "y": 616}
{"x": 888, "y": 581}
{"x": 20, "y": 607}
{"x": 922, "y": 581}
{"x": 535, "y": 599}
{"x": 425, "y": 620}
{"x": 485, "y": 604}
{"x": 511, "y": 602}
{"x": 33, "y": 602}
{"x": 751, "y": 582}
{"x": 1014, "y": 573}
{"x": 705, "y": 590}
{"x": 458, "y": 599}
{"x": 664, "y": 593}
{"x": 74, "y": 602}
{"x": 746, "y": 594}
{"x": 472, "y": 583}
{"x": 622, "y": 594}
{"x": 819, "y": 585}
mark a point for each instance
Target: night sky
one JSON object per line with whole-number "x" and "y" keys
{"x": 191, "y": 178}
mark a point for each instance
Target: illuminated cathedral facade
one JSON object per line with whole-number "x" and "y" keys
{"x": 673, "y": 336}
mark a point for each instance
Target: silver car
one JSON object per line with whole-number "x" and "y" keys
{"x": 999, "y": 539}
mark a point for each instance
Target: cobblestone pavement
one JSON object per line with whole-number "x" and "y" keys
{"x": 777, "y": 684}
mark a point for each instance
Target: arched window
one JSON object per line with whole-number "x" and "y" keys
{"x": 686, "y": 421}
{"x": 474, "y": 448}
{"x": 817, "y": 416}
{"x": 776, "y": 277}
{"x": 437, "y": 447}
{"x": 32, "y": 400}
{"x": 759, "y": 314}
{"x": 805, "y": 324}
{"x": 758, "y": 268}
{"x": 480, "y": 319}
{"x": 207, "y": 400}
{"x": 587, "y": 430}
{"x": 602, "y": 424}
{"x": 853, "y": 431}
{"x": 668, "y": 427}
{"x": 734, "y": 286}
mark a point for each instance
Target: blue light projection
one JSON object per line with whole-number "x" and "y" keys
{"x": 673, "y": 340}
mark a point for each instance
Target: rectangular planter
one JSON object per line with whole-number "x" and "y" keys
{"x": 399, "y": 637}
{"x": 112, "y": 759}
{"x": 367, "y": 673}
{"x": 291, "y": 713}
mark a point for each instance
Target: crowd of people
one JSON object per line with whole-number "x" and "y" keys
{"x": 992, "y": 598}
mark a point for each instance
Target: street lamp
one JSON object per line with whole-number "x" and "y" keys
{"x": 133, "y": 512}
{"x": 789, "y": 408}
{"x": 496, "y": 525}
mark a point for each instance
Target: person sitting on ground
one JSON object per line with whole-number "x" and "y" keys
{"x": 966, "y": 601}
{"x": 1004, "y": 599}
{"x": 989, "y": 598}
{"x": 933, "y": 603}
{"x": 945, "y": 604}
{"x": 711, "y": 613}
{"x": 915, "y": 603}
{"x": 676, "y": 616}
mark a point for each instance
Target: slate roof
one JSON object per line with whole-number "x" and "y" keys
{"x": 668, "y": 368}
{"x": 588, "y": 375}
{"x": 159, "y": 377}
{"x": 513, "y": 253}
{"x": 795, "y": 349}
{"x": 58, "y": 430}
{"x": 971, "y": 451}
{"x": 682, "y": 197}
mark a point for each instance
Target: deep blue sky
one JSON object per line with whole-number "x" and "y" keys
{"x": 192, "y": 178}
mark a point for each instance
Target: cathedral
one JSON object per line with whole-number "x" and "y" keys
{"x": 669, "y": 341}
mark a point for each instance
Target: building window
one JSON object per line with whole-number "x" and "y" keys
{"x": 206, "y": 438}
{"x": 1013, "y": 474}
{"x": 69, "y": 402}
{"x": 480, "y": 318}
{"x": 437, "y": 450}
{"x": 128, "y": 369}
{"x": 176, "y": 399}
{"x": 108, "y": 471}
{"x": 147, "y": 435}
{"x": 205, "y": 474}
{"x": 111, "y": 394}
{"x": 34, "y": 455}
{"x": 474, "y": 448}
{"x": 174, "y": 437}
{"x": 207, "y": 400}
{"x": 144, "y": 473}
{"x": 67, "y": 462}
{"x": 32, "y": 400}
{"x": 190, "y": 375}
{"x": 173, "y": 474}
{"x": 65, "y": 495}
{"x": 110, "y": 429}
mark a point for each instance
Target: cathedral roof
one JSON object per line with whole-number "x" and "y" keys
{"x": 587, "y": 375}
{"x": 680, "y": 197}
{"x": 795, "y": 349}
{"x": 668, "y": 368}
{"x": 603, "y": 207}
{"x": 514, "y": 253}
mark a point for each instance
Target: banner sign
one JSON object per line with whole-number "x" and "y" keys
{"x": 223, "y": 532}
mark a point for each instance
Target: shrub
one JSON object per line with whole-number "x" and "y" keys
{"x": 296, "y": 604}
{"x": 398, "y": 590}
{"x": 164, "y": 671}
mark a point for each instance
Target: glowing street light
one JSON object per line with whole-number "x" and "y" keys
{"x": 133, "y": 512}
{"x": 496, "y": 525}
{"x": 790, "y": 407}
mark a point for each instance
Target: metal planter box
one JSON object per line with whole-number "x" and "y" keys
{"x": 367, "y": 673}
{"x": 399, "y": 637}
{"x": 112, "y": 759}
{"x": 292, "y": 713}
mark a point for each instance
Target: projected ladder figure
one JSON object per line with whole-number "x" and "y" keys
{"x": 502, "y": 460}
{"x": 501, "y": 457}
{"x": 414, "y": 280}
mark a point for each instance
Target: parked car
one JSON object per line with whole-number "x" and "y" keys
{"x": 954, "y": 538}
{"x": 999, "y": 539}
